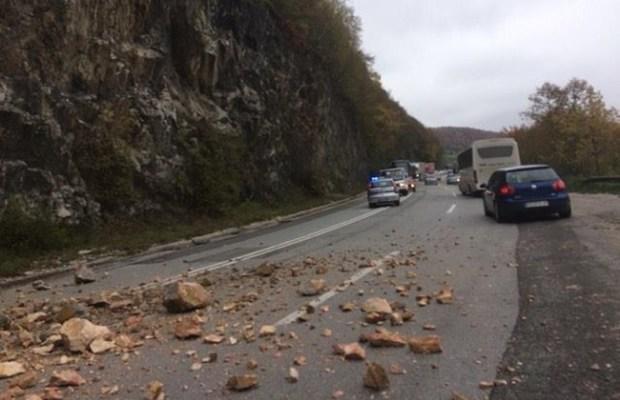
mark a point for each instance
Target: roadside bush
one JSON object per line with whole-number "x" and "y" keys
{"x": 23, "y": 233}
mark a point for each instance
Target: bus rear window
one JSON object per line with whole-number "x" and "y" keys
{"x": 495, "y": 152}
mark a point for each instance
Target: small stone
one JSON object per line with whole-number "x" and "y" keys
{"x": 84, "y": 275}
{"x": 485, "y": 385}
{"x": 213, "y": 338}
{"x": 265, "y": 270}
{"x": 347, "y": 307}
{"x": 155, "y": 391}
{"x": 188, "y": 328}
{"x": 299, "y": 360}
{"x": 267, "y": 330}
{"x": 445, "y": 296}
{"x": 326, "y": 332}
{"x": 384, "y": 338}
{"x": 251, "y": 364}
{"x": 242, "y": 382}
{"x": 100, "y": 346}
{"x": 377, "y": 305}
{"x": 375, "y": 377}
{"x": 40, "y": 286}
{"x": 313, "y": 288}
{"x": 67, "y": 377}
{"x": 425, "y": 344}
{"x": 595, "y": 367}
{"x": 25, "y": 381}
{"x": 293, "y": 375}
{"x": 337, "y": 394}
{"x": 350, "y": 351}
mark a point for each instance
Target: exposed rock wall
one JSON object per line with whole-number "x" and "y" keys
{"x": 124, "y": 107}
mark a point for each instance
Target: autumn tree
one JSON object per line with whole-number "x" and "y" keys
{"x": 570, "y": 128}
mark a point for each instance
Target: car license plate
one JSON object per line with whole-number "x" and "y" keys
{"x": 537, "y": 204}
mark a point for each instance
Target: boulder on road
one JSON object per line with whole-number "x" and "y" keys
{"x": 77, "y": 334}
{"x": 188, "y": 328}
{"x": 5, "y": 323}
{"x": 185, "y": 296}
{"x": 313, "y": 288}
{"x": 351, "y": 351}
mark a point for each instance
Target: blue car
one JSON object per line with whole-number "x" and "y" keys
{"x": 525, "y": 190}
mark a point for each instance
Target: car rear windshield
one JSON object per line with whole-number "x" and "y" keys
{"x": 531, "y": 175}
{"x": 495, "y": 151}
{"x": 385, "y": 183}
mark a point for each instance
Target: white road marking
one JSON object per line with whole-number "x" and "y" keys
{"x": 451, "y": 209}
{"x": 328, "y": 295}
{"x": 266, "y": 250}
{"x": 454, "y": 194}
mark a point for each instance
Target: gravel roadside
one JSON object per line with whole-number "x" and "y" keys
{"x": 566, "y": 344}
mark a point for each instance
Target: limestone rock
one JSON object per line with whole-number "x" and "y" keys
{"x": 425, "y": 344}
{"x": 84, "y": 275}
{"x": 67, "y": 377}
{"x": 10, "y": 369}
{"x": 242, "y": 382}
{"x": 185, "y": 296}
{"x": 77, "y": 334}
{"x": 375, "y": 377}
{"x": 377, "y": 305}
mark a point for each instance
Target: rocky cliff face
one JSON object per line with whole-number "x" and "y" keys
{"x": 125, "y": 107}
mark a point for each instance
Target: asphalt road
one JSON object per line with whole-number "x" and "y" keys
{"x": 452, "y": 244}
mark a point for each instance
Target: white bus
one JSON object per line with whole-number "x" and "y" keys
{"x": 478, "y": 162}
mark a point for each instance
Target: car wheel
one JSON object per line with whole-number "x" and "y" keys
{"x": 371, "y": 205}
{"x": 397, "y": 203}
{"x": 499, "y": 217}
{"x": 567, "y": 213}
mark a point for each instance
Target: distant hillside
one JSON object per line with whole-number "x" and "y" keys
{"x": 455, "y": 139}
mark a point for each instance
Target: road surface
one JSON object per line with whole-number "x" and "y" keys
{"x": 532, "y": 308}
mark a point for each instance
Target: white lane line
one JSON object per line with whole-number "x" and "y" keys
{"x": 266, "y": 250}
{"x": 454, "y": 194}
{"x": 328, "y": 295}
{"x": 451, "y": 209}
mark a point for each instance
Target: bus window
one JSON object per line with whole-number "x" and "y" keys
{"x": 495, "y": 151}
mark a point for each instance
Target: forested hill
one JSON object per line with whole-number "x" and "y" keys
{"x": 125, "y": 108}
{"x": 456, "y": 139}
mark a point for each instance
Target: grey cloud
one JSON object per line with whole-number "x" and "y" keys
{"x": 474, "y": 62}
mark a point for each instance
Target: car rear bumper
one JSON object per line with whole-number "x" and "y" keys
{"x": 557, "y": 204}
{"x": 383, "y": 198}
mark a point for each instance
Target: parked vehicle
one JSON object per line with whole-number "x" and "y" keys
{"x": 382, "y": 191}
{"x": 403, "y": 182}
{"x": 525, "y": 190}
{"x": 477, "y": 163}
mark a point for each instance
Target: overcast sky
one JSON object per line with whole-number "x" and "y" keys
{"x": 475, "y": 62}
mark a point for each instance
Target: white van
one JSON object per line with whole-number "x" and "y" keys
{"x": 478, "y": 162}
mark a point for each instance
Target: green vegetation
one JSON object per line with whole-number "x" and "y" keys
{"x": 28, "y": 242}
{"x": 582, "y": 185}
{"x": 329, "y": 30}
{"x": 572, "y": 129}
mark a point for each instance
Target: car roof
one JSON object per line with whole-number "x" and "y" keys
{"x": 523, "y": 167}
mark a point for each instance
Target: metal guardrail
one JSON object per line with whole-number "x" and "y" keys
{"x": 596, "y": 179}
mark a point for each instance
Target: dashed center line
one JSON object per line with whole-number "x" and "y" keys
{"x": 451, "y": 209}
{"x": 328, "y": 295}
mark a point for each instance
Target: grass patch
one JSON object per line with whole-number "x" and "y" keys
{"x": 134, "y": 235}
{"x": 579, "y": 185}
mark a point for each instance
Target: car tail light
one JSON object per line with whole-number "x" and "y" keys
{"x": 559, "y": 185}
{"x": 506, "y": 190}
